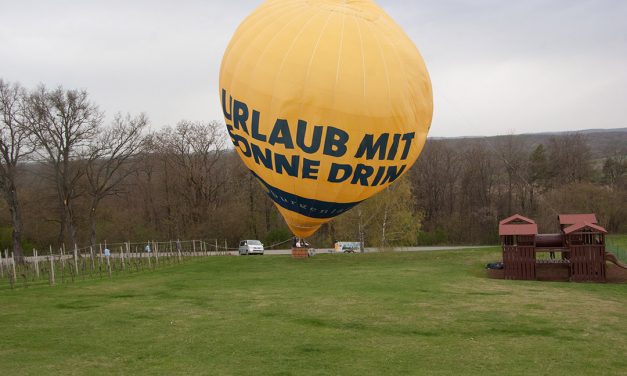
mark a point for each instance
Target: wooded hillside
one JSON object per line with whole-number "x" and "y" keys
{"x": 66, "y": 176}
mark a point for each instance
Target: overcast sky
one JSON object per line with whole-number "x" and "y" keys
{"x": 497, "y": 67}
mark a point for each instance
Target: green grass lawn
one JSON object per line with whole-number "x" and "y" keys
{"x": 618, "y": 245}
{"x": 423, "y": 313}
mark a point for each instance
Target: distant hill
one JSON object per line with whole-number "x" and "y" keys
{"x": 602, "y": 142}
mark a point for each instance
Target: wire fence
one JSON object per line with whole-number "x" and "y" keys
{"x": 104, "y": 260}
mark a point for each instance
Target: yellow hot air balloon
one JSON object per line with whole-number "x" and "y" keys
{"x": 326, "y": 101}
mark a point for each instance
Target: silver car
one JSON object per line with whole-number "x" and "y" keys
{"x": 250, "y": 247}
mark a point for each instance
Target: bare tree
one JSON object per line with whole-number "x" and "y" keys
{"x": 145, "y": 181}
{"x": 434, "y": 178}
{"x": 511, "y": 151}
{"x": 614, "y": 170}
{"x": 109, "y": 160}
{"x": 570, "y": 157}
{"x": 477, "y": 196}
{"x": 191, "y": 153}
{"x": 62, "y": 123}
{"x": 14, "y": 147}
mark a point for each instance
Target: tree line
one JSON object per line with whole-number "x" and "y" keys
{"x": 67, "y": 176}
{"x": 464, "y": 188}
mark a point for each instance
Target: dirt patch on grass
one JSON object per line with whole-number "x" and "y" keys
{"x": 614, "y": 274}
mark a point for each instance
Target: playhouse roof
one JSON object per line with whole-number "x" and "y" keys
{"x": 516, "y": 218}
{"x": 571, "y": 219}
{"x": 579, "y": 226}
{"x": 517, "y": 225}
{"x": 524, "y": 229}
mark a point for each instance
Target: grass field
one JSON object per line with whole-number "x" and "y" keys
{"x": 618, "y": 245}
{"x": 423, "y": 313}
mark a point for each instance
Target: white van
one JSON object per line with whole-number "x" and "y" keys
{"x": 250, "y": 247}
{"x": 347, "y": 247}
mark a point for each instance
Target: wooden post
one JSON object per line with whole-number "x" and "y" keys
{"x": 50, "y": 250}
{"x": 51, "y": 267}
{"x": 226, "y": 247}
{"x": 36, "y": 263}
{"x": 91, "y": 257}
{"x": 109, "y": 265}
{"x": 62, "y": 265}
{"x": 1, "y": 265}
{"x": 100, "y": 260}
{"x": 84, "y": 265}
{"x": 155, "y": 247}
{"x": 63, "y": 256}
{"x": 13, "y": 268}
{"x": 128, "y": 252}
{"x": 122, "y": 259}
{"x": 76, "y": 259}
{"x": 149, "y": 260}
{"x": 138, "y": 260}
{"x": 216, "y": 246}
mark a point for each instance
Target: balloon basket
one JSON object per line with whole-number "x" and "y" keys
{"x": 300, "y": 253}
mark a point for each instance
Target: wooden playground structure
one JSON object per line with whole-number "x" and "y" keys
{"x": 577, "y": 253}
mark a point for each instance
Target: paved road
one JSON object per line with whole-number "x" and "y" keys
{"x": 371, "y": 250}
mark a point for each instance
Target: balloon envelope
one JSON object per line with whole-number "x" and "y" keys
{"x": 327, "y": 103}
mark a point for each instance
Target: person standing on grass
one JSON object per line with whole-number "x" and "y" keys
{"x": 147, "y": 248}
{"x": 107, "y": 252}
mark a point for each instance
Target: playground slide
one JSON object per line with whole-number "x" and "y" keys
{"x": 609, "y": 256}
